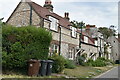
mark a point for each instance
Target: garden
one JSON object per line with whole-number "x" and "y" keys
{"x": 20, "y": 44}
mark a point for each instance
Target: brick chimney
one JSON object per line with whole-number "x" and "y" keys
{"x": 88, "y": 26}
{"x": 66, "y": 15}
{"x": 48, "y": 5}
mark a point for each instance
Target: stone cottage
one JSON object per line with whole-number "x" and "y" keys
{"x": 115, "y": 48}
{"x": 66, "y": 39}
{"x": 93, "y": 32}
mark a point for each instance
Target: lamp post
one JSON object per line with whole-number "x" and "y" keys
{"x": 80, "y": 39}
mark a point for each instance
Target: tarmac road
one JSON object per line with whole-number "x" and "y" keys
{"x": 113, "y": 73}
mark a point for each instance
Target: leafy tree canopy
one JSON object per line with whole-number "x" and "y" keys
{"x": 107, "y": 32}
{"x": 77, "y": 24}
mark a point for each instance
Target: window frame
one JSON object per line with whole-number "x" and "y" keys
{"x": 86, "y": 39}
{"x": 54, "y": 47}
{"x": 53, "y": 21}
{"x": 73, "y": 32}
{"x": 71, "y": 53}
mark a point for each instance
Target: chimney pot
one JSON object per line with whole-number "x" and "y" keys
{"x": 67, "y": 16}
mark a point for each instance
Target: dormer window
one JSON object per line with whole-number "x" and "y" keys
{"x": 74, "y": 34}
{"x": 53, "y": 24}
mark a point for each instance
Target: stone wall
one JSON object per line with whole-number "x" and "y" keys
{"x": 89, "y": 49}
{"x": 115, "y": 47}
{"x": 21, "y": 16}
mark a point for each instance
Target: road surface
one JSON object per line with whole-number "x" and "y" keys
{"x": 113, "y": 73}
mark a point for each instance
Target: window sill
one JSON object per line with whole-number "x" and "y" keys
{"x": 54, "y": 30}
{"x": 74, "y": 37}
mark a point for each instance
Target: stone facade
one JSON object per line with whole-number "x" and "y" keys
{"x": 90, "y": 50}
{"x": 115, "y": 48}
{"x": 63, "y": 41}
{"x": 21, "y": 16}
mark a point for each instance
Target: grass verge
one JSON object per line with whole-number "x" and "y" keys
{"x": 86, "y": 71}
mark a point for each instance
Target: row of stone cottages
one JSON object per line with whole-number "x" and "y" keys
{"x": 66, "y": 39}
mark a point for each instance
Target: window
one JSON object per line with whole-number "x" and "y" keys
{"x": 71, "y": 53}
{"x": 54, "y": 23}
{"x": 74, "y": 34}
{"x": 96, "y": 42}
{"x": 85, "y": 39}
{"x": 54, "y": 48}
{"x": 114, "y": 41}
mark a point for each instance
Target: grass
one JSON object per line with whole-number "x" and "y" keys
{"x": 85, "y": 72}
{"x": 23, "y": 76}
{"x": 78, "y": 72}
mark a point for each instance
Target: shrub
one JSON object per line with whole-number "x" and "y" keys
{"x": 100, "y": 62}
{"x": 81, "y": 60}
{"x": 23, "y": 43}
{"x": 69, "y": 64}
{"x": 58, "y": 64}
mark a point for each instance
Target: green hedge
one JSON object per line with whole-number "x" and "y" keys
{"x": 19, "y": 44}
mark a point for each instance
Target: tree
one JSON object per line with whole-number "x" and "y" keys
{"x": 107, "y": 32}
{"x": 77, "y": 24}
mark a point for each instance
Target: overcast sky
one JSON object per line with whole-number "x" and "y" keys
{"x": 94, "y": 12}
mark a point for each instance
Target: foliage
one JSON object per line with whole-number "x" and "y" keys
{"x": 100, "y": 62}
{"x": 69, "y": 64}
{"x": 23, "y": 43}
{"x": 106, "y": 49}
{"x": 81, "y": 60}
{"x": 107, "y": 32}
{"x": 77, "y": 24}
{"x": 58, "y": 64}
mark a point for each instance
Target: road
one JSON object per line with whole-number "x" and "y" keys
{"x": 113, "y": 73}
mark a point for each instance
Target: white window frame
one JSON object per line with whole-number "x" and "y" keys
{"x": 54, "y": 48}
{"x": 85, "y": 39}
{"x": 71, "y": 54}
{"x": 74, "y": 33}
{"x": 96, "y": 42}
{"x": 54, "y": 23}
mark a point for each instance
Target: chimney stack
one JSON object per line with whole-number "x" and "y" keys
{"x": 66, "y": 16}
{"x": 88, "y": 26}
{"x": 48, "y": 5}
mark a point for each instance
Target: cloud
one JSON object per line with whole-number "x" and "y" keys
{"x": 98, "y": 13}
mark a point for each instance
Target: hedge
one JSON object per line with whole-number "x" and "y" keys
{"x": 19, "y": 44}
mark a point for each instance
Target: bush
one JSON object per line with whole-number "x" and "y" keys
{"x": 58, "y": 64}
{"x": 69, "y": 64}
{"x": 23, "y": 43}
{"x": 81, "y": 60}
{"x": 100, "y": 62}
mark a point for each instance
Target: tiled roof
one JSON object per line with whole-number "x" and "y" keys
{"x": 43, "y": 12}
{"x": 90, "y": 40}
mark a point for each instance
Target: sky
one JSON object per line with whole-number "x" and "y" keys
{"x": 101, "y": 13}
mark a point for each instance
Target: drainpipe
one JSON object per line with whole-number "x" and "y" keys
{"x": 30, "y": 15}
{"x": 80, "y": 40}
{"x": 100, "y": 49}
{"x": 60, "y": 41}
